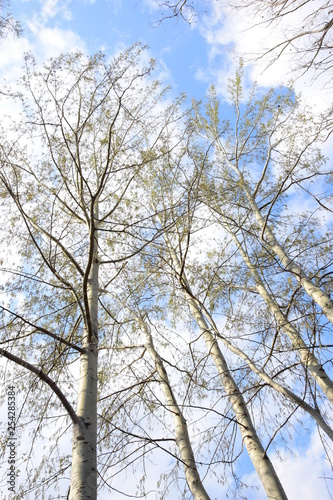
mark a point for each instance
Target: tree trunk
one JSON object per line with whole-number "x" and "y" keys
{"x": 308, "y": 359}
{"x": 257, "y": 454}
{"x": 84, "y": 461}
{"x": 84, "y": 455}
{"x": 182, "y": 437}
{"x": 284, "y": 391}
{"x": 315, "y": 292}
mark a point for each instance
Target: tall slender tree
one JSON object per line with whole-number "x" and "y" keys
{"x": 257, "y": 165}
{"x": 272, "y": 143}
{"x": 69, "y": 179}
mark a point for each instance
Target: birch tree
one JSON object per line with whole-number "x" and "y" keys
{"x": 273, "y": 146}
{"x": 163, "y": 297}
{"x": 69, "y": 173}
{"x": 261, "y": 163}
{"x": 200, "y": 292}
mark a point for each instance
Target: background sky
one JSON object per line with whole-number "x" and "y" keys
{"x": 189, "y": 58}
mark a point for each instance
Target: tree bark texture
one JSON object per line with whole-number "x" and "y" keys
{"x": 84, "y": 454}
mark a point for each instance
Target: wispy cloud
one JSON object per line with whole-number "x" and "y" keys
{"x": 51, "y": 8}
{"x": 231, "y": 35}
{"x": 42, "y": 36}
{"x": 302, "y": 471}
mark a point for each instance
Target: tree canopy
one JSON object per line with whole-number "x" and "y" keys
{"x": 169, "y": 302}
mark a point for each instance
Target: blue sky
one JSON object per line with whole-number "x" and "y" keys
{"x": 110, "y": 26}
{"x": 189, "y": 58}
{"x": 192, "y": 57}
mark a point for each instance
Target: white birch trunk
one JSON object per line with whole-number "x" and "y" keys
{"x": 84, "y": 454}
{"x": 308, "y": 359}
{"x": 260, "y": 460}
{"x": 84, "y": 471}
{"x": 182, "y": 437}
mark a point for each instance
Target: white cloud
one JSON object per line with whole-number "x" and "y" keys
{"x": 232, "y": 34}
{"x": 116, "y": 5}
{"x": 39, "y": 38}
{"x": 12, "y": 50}
{"x": 302, "y": 473}
{"x": 49, "y": 41}
{"x": 53, "y": 41}
{"x": 50, "y": 8}
{"x": 152, "y": 5}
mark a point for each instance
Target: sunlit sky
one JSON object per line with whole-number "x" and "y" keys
{"x": 190, "y": 57}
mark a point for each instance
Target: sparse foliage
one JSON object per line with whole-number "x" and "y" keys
{"x": 167, "y": 303}
{"x": 7, "y": 23}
